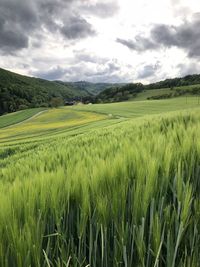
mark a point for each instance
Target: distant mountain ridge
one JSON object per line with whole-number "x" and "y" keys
{"x": 89, "y": 87}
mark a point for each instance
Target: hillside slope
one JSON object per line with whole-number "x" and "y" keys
{"x": 20, "y": 92}
{"x": 162, "y": 90}
{"x": 136, "y": 109}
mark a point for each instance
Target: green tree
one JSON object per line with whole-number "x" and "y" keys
{"x": 56, "y": 102}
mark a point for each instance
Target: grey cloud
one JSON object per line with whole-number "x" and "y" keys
{"x": 52, "y": 7}
{"x": 101, "y": 66}
{"x": 70, "y": 73}
{"x": 88, "y": 73}
{"x": 163, "y": 34}
{"x": 10, "y": 41}
{"x": 82, "y": 71}
{"x": 140, "y": 44}
{"x": 113, "y": 67}
{"x": 21, "y": 20}
{"x": 18, "y": 13}
{"x": 55, "y": 73}
{"x": 148, "y": 71}
{"x": 109, "y": 68}
{"x": 129, "y": 43}
{"x": 186, "y": 37}
{"x": 16, "y": 21}
{"x": 86, "y": 56}
{"x": 76, "y": 28}
{"x": 104, "y": 10}
{"x": 187, "y": 69}
{"x": 110, "y": 71}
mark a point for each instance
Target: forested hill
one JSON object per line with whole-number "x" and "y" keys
{"x": 20, "y": 92}
{"x": 178, "y": 86}
{"x": 91, "y": 88}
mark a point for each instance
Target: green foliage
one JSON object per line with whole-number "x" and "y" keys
{"x": 119, "y": 93}
{"x": 56, "y": 102}
{"x": 176, "y": 82}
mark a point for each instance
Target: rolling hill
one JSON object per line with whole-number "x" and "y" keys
{"x": 90, "y": 88}
{"x": 170, "y": 88}
{"x": 20, "y": 92}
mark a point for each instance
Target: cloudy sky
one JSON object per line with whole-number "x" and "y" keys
{"x": 100, "y": 40}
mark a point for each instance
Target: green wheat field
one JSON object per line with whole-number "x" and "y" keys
{"x": 101, "y": 185}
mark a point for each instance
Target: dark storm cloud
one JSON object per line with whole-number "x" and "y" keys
{"x": 186, "y": 37}
{"x": 18, "y": 12}
{"x": 16, "y": 20}
{"x": 77, "y": 28}
{"x": 11, "y": 40}
{"x": 164, "y": 35}
{"x": 21, "y": 20}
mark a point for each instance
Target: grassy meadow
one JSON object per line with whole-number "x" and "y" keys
{"x": 48, "y": 122}
{"x": 102, "y": 186}
{"x": 19, "y": 116}
{"x": 134, "y": 109}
